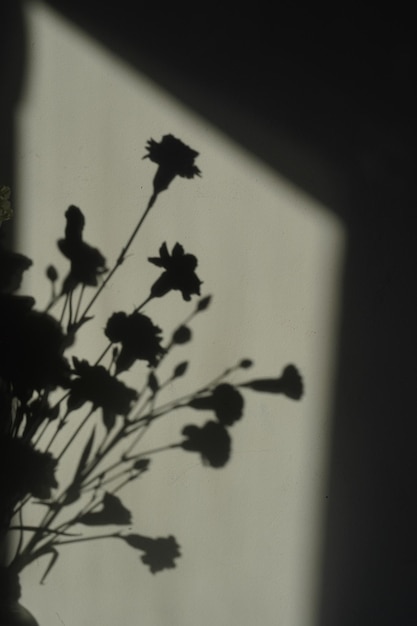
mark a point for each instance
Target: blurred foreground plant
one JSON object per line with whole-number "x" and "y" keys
{"x": 48, "y": 397}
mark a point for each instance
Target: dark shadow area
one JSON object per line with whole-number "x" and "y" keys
{"x": 306, "y": 93}
{"x": 330, "y": 104}
{"x": 12, "y": 72}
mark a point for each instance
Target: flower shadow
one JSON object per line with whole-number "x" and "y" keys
{"x": 37, "y": 359}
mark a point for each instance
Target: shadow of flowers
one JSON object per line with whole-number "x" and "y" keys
{"x": 52, "y": 400}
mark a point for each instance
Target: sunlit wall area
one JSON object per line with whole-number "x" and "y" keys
{"x": 271, "y": 256}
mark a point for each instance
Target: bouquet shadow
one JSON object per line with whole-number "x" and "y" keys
{"x": 47, "y": 393}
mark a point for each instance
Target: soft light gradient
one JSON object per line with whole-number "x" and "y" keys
{"x": 271, "y": 256}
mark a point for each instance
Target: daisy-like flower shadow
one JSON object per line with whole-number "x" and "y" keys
{"x": 159, "y": 553}
{"x": 212, "y": 441}
{"x": 87, "y": 263}
{"x": 179, "y": 273}
{"x": 24, "y": 470}
{"x": 139, "y": 337}
{"x": 174, "y": 158}
{"x": 94, "y": 384}
{"x": 32, "y": 347}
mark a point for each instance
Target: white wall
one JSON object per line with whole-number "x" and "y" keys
{"x": 250, "y": 534}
